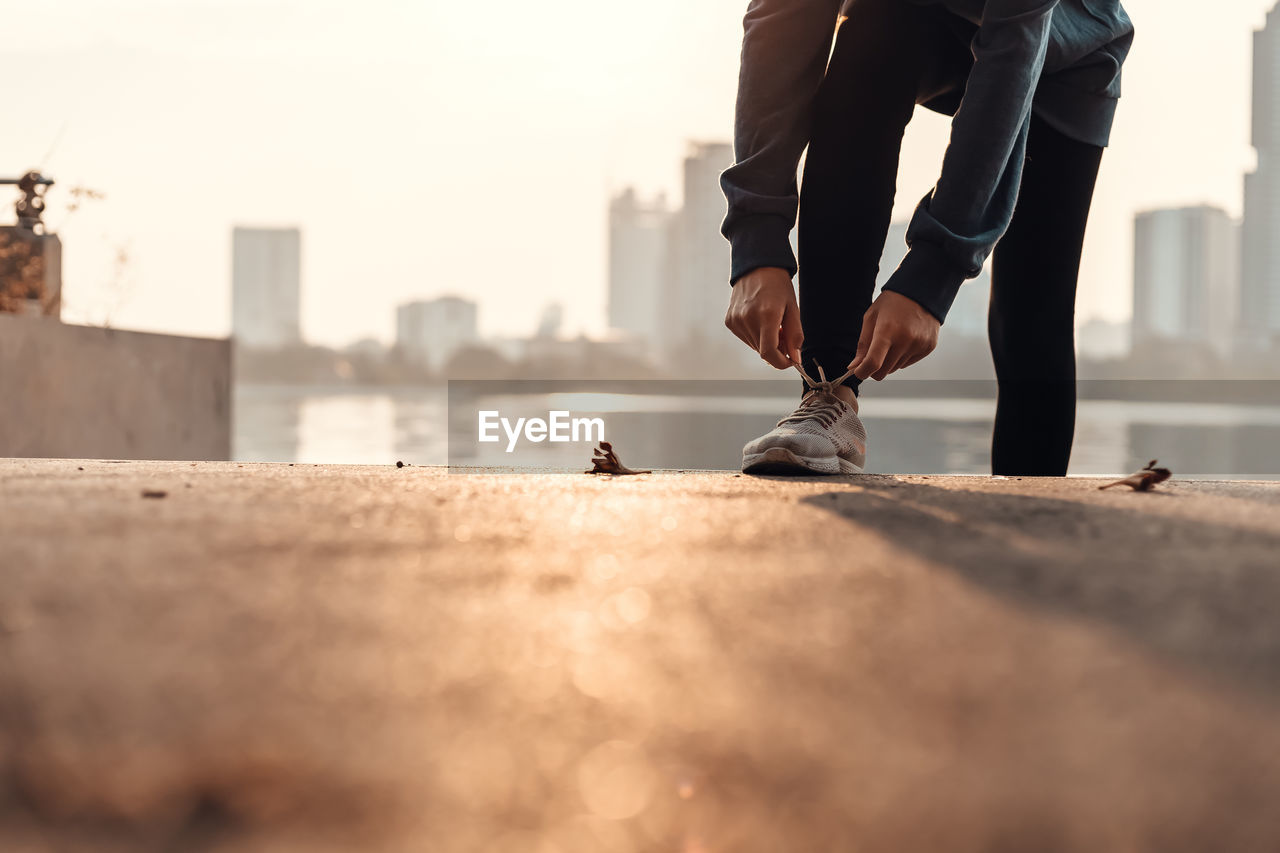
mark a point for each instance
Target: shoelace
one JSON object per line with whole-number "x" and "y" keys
{"x": 821, "y": 403}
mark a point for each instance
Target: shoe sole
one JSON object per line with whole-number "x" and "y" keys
{"x": 779, "y": 460}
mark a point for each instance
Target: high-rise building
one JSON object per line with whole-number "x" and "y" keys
{"x": 967, "y": 317}
{"x": 266, "y": 285}
{"x": 1260, "y": 256}
{"x": 696, "y": 283}
{"x": 1186, "y": 277}
{"x": 428, "y": 333}
{"x": 638, "y": 232}
{"x": 1102, "y": 339}
{"x": 550, "y": 321}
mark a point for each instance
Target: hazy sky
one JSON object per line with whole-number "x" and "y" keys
{"x": 438, "y": 147}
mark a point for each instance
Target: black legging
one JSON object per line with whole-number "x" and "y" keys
{"x": 888, "y": 57}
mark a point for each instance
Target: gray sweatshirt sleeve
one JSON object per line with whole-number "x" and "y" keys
{"x": 785, "y": 47}
{"x": 956, "y": 225}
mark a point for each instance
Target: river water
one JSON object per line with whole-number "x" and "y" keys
{"x": 908, "y": 436}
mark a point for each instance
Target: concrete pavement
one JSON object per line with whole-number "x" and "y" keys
{"x": 281, "y": 658}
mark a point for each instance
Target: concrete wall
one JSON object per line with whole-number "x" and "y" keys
{"x": 84, "y": 392}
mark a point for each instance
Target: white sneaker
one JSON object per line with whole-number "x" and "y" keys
{"x": 824, "y": 435}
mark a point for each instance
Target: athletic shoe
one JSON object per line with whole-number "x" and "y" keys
{"x": 824, "y": 435}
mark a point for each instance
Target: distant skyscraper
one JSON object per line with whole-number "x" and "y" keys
{"x": 550, "y": 321}
{"x": 1186, "y": 276}
{"x": 696, "y": 285}
{"x": 638, "y": 233}
{"x": 1099, "y": 338}
{"x": 430, "y": 332}
{"x": 266, "y": 287}
{"x": 968, "y": 315}
{"x": 1260, "y": 273}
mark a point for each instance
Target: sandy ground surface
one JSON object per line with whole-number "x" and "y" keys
{"x": 299, "y": 658}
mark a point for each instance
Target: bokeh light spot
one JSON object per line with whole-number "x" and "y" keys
{"x": 616, "y": 780}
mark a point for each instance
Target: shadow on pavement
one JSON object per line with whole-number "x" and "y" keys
{"x": 1199, "y": 593}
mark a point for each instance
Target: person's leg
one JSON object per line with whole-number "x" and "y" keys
{"x": 884, "y": 53}
{"x": 1031, "y": 321}
{"x": 887, "y": 54}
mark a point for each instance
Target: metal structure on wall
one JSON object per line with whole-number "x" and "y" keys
{"x": 30, "y": 258}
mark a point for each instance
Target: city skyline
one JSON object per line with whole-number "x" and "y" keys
{"x": 336, "y": 152}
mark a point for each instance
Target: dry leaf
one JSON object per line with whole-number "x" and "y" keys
{"x": 1144, "y": 480}
{"x": 606, "y": 461}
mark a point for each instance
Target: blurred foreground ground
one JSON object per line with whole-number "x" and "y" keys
{"x": 298, "y": 658}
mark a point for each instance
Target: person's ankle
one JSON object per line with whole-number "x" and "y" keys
{"x": 844, "y": 392}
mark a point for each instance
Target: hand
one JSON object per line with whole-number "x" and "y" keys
{"x": 763, "y": 313}
{"x": 896, "y": 333}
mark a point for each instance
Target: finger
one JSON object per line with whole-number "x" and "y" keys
{"x": 920, "y": 352}
{"x": 734, "y": 324}
{"x": 771, "y": 340}
{"x": 915, "y": 356}
{"x": 766, "y": 324}
{"x": 872, "y": 361}
{"x": 891, "y": 363}
{"x": 792, "y": 334}
{"x": 864, "y": 339}
{"x": 777, "y": 359}
{"x": 898, "y": 359}
{"x": 769, "y": 330}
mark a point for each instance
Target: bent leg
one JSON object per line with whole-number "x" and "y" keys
{"x": 850, "y": 175}
{"x": 1031, "y": 321}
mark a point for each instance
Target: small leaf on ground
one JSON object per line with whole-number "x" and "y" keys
{"x": 1144, "y": 480}
{"x": 606, "y": 461}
